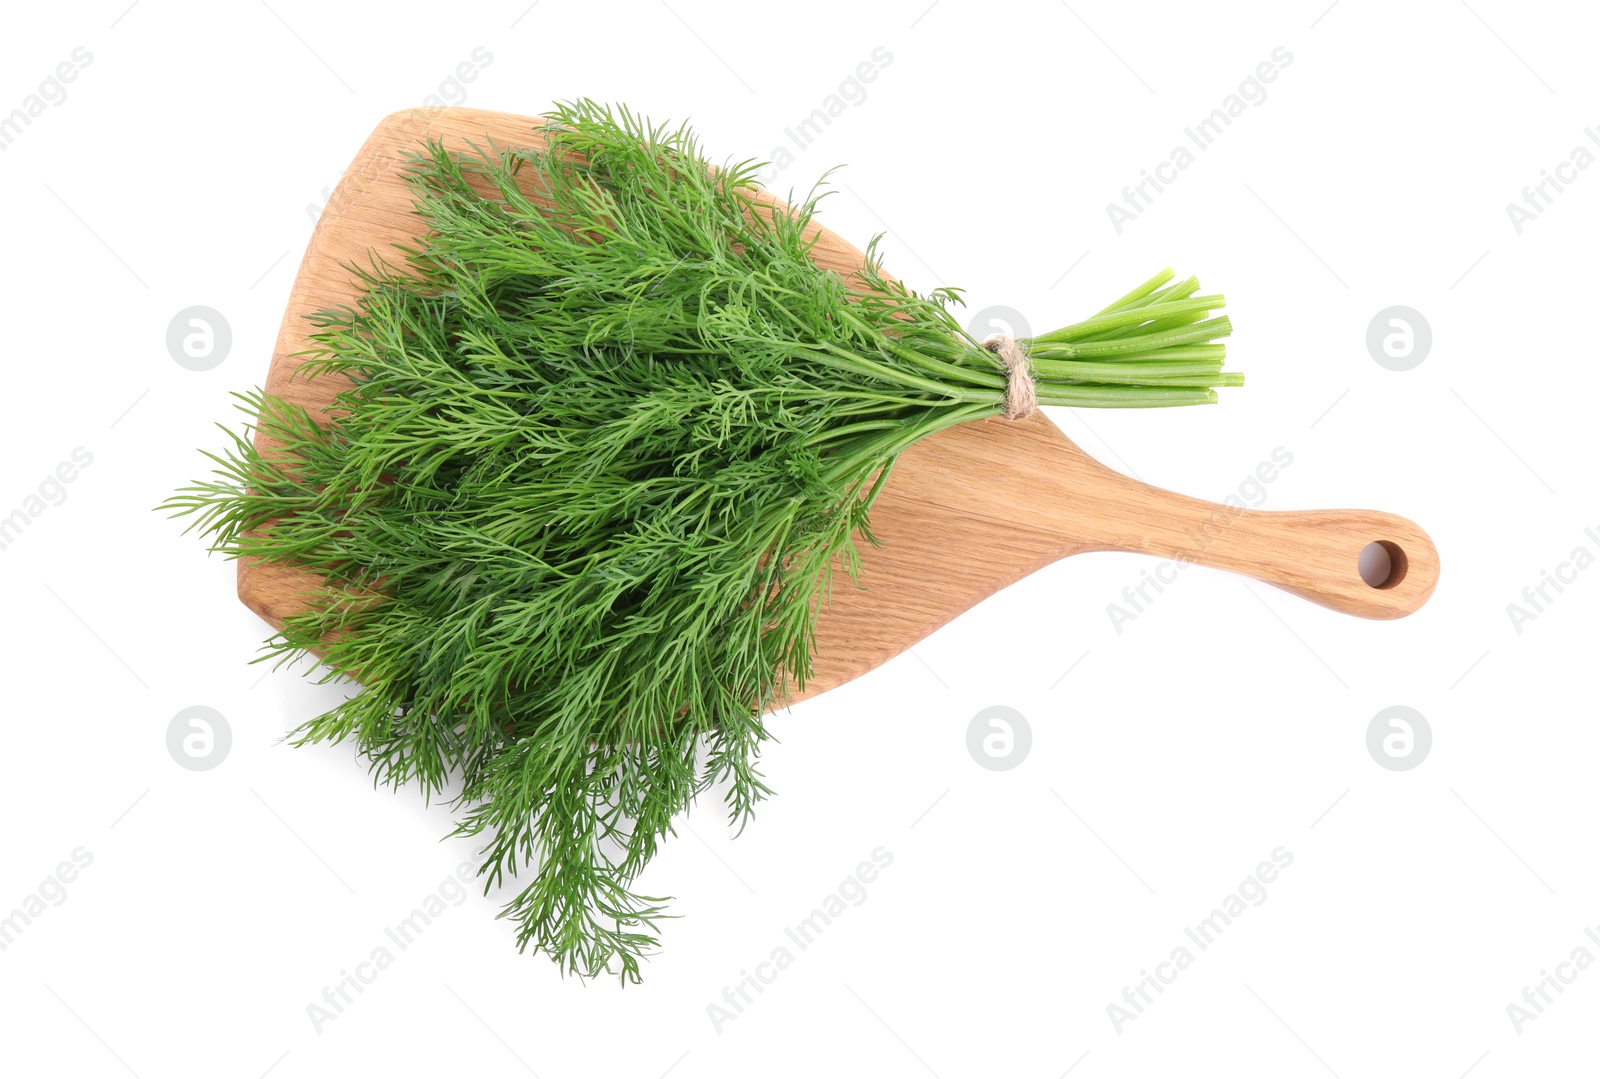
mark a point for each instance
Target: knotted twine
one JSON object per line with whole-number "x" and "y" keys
{"x": 1020, "y": 399}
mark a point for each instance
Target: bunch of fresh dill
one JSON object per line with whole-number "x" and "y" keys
{"x": 578, "y": 508}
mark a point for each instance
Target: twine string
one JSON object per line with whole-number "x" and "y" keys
{"x": 1021, "y": 401}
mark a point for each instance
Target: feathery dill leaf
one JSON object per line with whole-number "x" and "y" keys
{"x": 579, "y": 505}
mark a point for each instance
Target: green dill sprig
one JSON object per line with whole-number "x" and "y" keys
{"x": 608, "y": 429}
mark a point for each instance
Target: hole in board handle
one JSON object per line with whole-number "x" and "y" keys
{"x": 1382, "y": 564}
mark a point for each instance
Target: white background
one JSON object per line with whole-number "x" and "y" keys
{"x": 1226, "y": 720}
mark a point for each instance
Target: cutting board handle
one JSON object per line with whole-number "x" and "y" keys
{"x": 1058, "y": 501}
{"x": 1316, "y": 554}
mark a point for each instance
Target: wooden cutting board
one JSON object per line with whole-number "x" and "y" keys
{"x": 965, "y": 513}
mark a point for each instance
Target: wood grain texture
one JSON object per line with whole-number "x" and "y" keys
{"x": 965, "y": 512}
